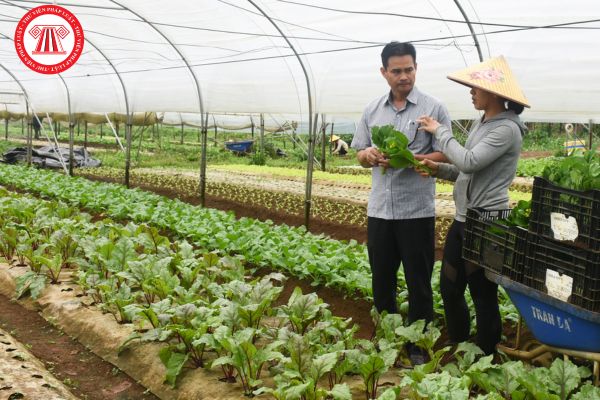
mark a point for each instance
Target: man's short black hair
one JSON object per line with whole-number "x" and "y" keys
{"x": 397, "y": 49}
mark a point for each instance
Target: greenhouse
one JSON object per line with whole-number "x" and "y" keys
{"x": 194, "y": 199}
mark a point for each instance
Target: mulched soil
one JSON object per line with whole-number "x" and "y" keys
{"x": 87, "y": 375}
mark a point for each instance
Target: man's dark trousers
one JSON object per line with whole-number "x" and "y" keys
{"x": 412, "y": 243}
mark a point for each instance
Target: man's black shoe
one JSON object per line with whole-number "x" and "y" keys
{"x": 417, "y": 355}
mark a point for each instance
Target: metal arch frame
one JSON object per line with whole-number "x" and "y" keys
{"x": 29, "y": 144}
{"x": 200, "y": 102}
{"x": 71, "y": 123}
{"x": 18, "y": 82}
{"x": 311, "y": 125}
{"x": 129, "y": 117}
{"x": 473, "y": 34}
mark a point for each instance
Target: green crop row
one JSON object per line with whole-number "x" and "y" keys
{"x": 343, "y": 265}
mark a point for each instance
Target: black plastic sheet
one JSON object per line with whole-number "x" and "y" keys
{"x": 48, "y": 157}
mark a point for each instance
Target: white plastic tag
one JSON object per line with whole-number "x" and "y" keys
{"x": 563, "y": 228}
{"x": 559, "y": 286}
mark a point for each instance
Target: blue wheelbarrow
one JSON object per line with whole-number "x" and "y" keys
{"x": 560, "y": 327}
{"x": 240, "y": 147}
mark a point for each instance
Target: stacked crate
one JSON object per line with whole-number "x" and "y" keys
{"x": 493, "y": 245}
{"x": 560, "y": 252}
{"x": 563, "y": 246}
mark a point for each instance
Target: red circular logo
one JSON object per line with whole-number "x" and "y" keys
{"x": 49, "y": 39}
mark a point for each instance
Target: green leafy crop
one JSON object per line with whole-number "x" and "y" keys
{"x": 394, "y": 145}
{"x": 519, "y": 216}
{"x": 576, "y": 172}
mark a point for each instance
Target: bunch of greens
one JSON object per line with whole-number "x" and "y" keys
{"x": 519, "y": 216}
{"x": 394, "y": 145}
{"x": 576, "y": 171}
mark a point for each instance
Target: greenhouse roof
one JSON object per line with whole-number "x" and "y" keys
{"x": 233, "y": 56}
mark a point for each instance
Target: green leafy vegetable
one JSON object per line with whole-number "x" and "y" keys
{"x": 394, "y": 145}
{"x": 576, "y": 172}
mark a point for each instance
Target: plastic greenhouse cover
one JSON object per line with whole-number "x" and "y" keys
{"x": 146, "y": 56}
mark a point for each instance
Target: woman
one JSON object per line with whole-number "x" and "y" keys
{"x": 340, "y": 147}
{"x": 483, "y": 170}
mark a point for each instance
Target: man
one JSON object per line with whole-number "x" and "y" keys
{"x": 401, "y": 209}
{"x": 339, "y": 146}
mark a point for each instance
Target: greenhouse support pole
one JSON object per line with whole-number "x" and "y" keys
{"x": 197, "y": 85}
{"x": 114, "y": 132}
{"x": 71, "y": 122}
{"x": 23, "y": 126}
{"x": 330, "y": 137}
{"x": 323, "y": 142}
{"x": 307, "y": 200}
{"x": 141, "y": 137}
{"x": 101, "y": 131}
{"x": 71, "y": 143}
{"x": 29, "y": 139}
{"x": 55, "y": 136}
{"x": 158, "y": 135}
{"x": 591, "y": 133}
{"x": 475, "y": 40}
{"x": 85, "y": 134}
{"x": 6, "y": 129}
{"x": 203, "y": 161}
{"x": 29, "y": 142}
{"x": 181, "y": 141}
{"x": 252, "y": 127}
{"x": 262, "y": 133}
{"x": 215, "y": 124}
{"x": 309, "y": 171}
{"x": 128, "y": 149}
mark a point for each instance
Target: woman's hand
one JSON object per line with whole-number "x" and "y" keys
{"x": 428, "y": 124}
{"x": 432, "y": 165}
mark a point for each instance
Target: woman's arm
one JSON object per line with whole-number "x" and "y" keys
{"x": 440, "y": 170}
{"x": 495, "y": 143}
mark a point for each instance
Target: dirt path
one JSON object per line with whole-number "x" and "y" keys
{"x": 24, "y": 376}
{"x": 86, "y": 375}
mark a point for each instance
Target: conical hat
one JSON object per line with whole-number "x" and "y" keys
{"x": 493, "y": 75}
{"x": 334, "y": 138}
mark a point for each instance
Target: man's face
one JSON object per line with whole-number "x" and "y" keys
{"x": 400, "y": 74}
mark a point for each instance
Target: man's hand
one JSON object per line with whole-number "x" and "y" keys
{"x": 371, "y": 157}
{"x": 433, "y": 166}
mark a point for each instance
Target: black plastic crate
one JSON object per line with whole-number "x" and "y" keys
{"x": 580, "y": 264}
{"x": 495, "y": 246}
{"x": 584, "y": 207}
